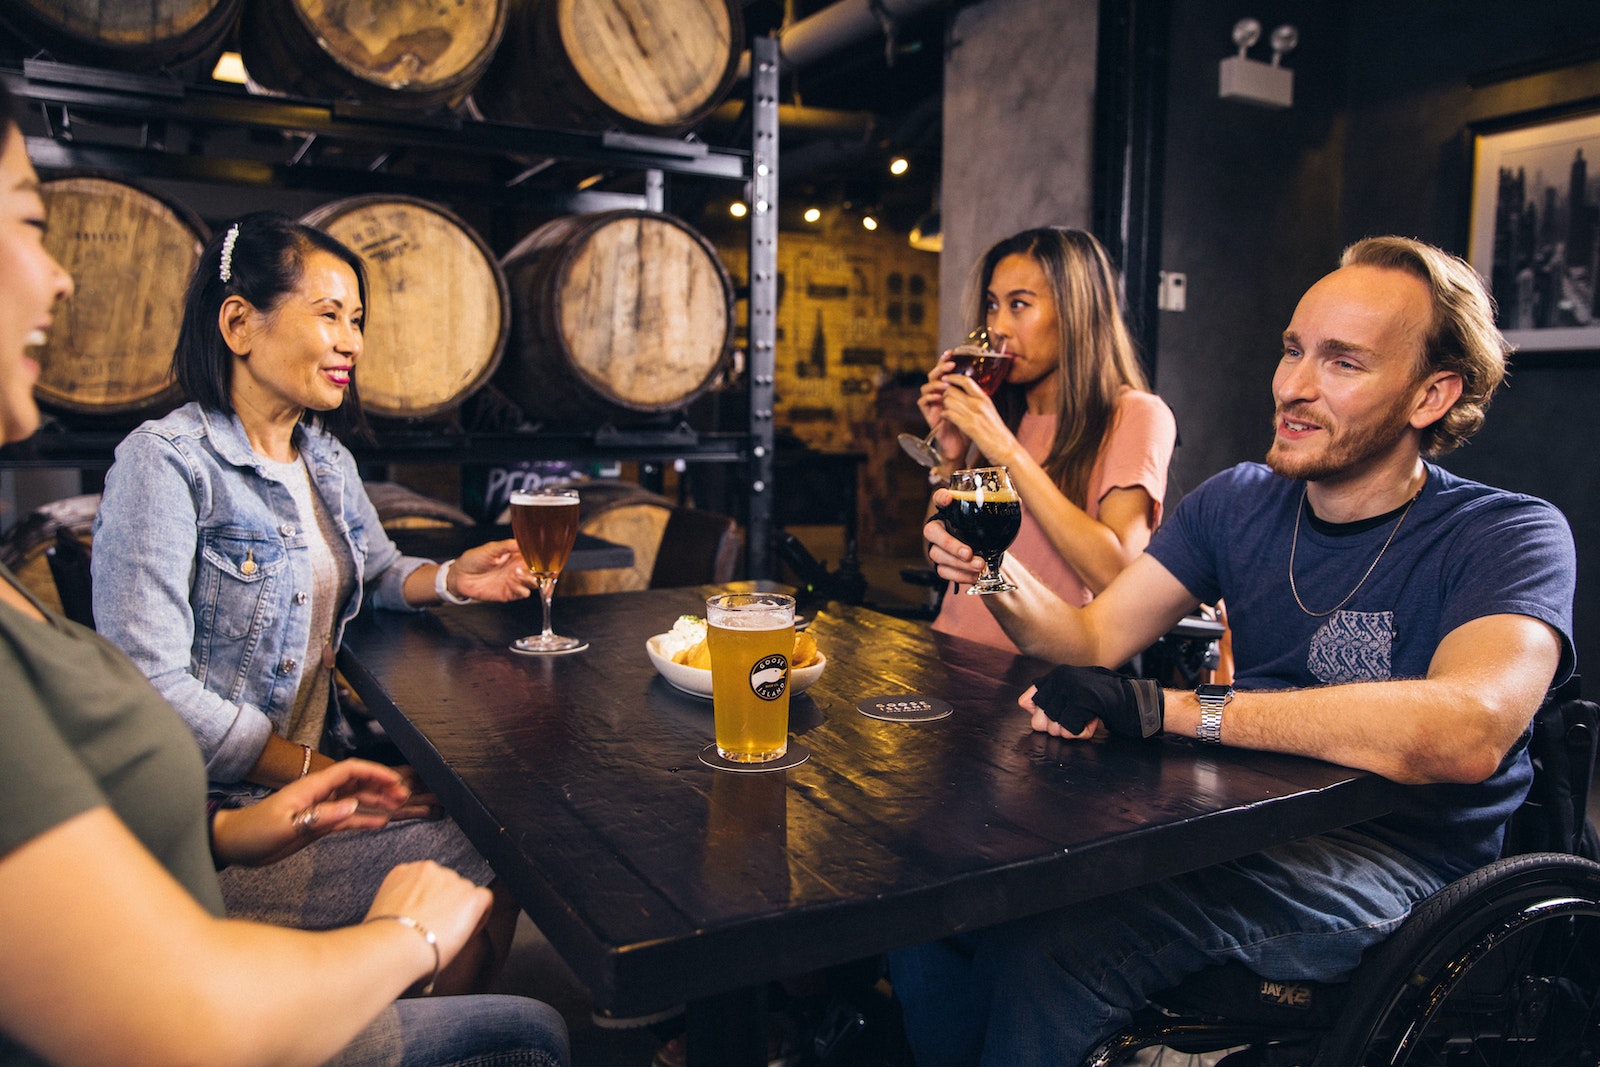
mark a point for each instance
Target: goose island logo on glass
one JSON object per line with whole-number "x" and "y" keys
{"x": 750, "y": 637}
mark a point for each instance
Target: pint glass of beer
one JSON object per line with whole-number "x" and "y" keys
{"x": 751, "y": 637}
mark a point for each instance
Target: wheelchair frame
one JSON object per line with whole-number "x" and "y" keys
{"x": 1501, "y": 966}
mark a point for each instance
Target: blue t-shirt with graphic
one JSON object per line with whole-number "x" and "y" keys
{"x": 1462, "y": 552}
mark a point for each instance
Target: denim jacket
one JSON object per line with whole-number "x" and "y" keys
{"x": 203, "y": 577}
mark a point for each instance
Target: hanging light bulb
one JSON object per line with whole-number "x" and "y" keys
{"x": 899, "y": 165}
{"x": 737, "y": 209}
{"x": 813, "y": 214}
{"x": 868, "y": 222}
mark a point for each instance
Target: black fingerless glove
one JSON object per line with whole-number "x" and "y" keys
{"x": 1073, "y": 696}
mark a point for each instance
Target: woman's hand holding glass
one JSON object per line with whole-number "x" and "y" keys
{"x": 986, "y": 368}
{"x": 974, "y": 522}
{"x": 969, "y": 417}
{"x": 493, "y": 571}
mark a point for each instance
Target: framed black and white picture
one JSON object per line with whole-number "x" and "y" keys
{"x": 1536, "y": 230}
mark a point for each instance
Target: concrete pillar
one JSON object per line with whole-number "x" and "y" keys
{"x": 1018, "y": 130}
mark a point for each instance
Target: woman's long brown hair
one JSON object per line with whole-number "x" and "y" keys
{"x": 1096, "y": 353}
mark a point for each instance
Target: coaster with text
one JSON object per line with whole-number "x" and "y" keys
{"x": 908, "y": 707}
{"x": 796, "y": 755}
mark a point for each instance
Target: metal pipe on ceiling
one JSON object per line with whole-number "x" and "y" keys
{"x": 835, "y": 27}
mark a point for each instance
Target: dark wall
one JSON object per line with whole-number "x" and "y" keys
{"x": 1422, "y": 74}
{"x": 1259, "y": 203}
{"x": 1250, "y": 216}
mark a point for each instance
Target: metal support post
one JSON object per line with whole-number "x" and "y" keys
{"x": 763, "y": 332}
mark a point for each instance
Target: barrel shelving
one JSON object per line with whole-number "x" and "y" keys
{"x": 163, "y": 113}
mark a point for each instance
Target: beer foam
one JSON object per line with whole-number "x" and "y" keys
{"x": 986, "y": 496}
{"x": 543, "y": 500}
{"x": 753, "y": 620}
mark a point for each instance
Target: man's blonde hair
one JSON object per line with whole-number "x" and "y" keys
{"x": 1462, "y": 337}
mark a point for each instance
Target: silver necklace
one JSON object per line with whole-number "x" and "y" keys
{"x": 1296, "y": 544}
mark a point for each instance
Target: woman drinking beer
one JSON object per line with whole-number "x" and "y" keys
{"x": 235, "y": 541}
{"x": 1086, "y": 442}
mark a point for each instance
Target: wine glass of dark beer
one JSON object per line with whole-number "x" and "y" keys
{"x": 545, "y": 523}
{"x": 973, "y": 359}
{"x": 985, "y": 516}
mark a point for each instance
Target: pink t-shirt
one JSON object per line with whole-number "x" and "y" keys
{"x": 1135, "y": 454}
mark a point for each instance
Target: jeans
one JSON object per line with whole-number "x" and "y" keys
{"x": 1047, "y": 989}
{"x": 469, "y": 1031}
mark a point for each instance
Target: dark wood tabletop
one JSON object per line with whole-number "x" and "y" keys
{"x": 446, "y": 542}
{"x": 660, "y": 880}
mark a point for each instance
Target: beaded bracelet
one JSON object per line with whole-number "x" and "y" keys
{"x": 305, "y": 765}
{"x": 427, "y": 935}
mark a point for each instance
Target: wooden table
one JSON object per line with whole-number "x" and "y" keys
{"x": 660, "y": 880}
{"x": 446, "y": 542}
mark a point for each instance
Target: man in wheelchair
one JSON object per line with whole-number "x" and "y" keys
{"x": 1387, "y": 615}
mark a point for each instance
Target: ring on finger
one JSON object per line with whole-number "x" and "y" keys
{"x": 305, "y": 821}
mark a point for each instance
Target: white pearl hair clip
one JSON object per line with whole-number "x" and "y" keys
{"x": 226, "y": 271}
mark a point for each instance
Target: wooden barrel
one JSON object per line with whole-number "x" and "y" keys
{"x": 23, "y": 547}
{"x": 618, "y": 311}
{"x": 655, "y": 66}
{"x": 400, "y": 507}
{"x": 130, "y": 254}
{"x": 437, "y": 303}
{"x": 409, "y": 56}
{"x": 128, "y": 36}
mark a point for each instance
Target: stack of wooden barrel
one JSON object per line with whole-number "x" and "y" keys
{"x": 586, "y": 319}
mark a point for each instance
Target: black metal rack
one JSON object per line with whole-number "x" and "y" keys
{"x": 215, "y": 134}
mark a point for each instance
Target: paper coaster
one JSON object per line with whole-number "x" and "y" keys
{"x": 550, "y": 652}
{"x": 796, "y": 755}
{"x": 906, "y": 708}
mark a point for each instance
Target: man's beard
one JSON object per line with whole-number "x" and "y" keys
{"x": 1346, "y": 452}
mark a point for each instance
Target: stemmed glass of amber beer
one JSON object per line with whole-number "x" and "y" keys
{"x": 545, "y": 523}
{"x": 985, "y": 515}
{"x": 751, "y": 639}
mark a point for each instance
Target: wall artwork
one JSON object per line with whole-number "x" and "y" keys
{"x": 1536, "y": 230}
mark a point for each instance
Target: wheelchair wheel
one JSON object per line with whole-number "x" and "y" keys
{"x": 1501, "y": 967}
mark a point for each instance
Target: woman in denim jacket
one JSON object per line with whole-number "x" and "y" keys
{"x": 234, "y": 541}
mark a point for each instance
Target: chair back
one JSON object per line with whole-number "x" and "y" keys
{"x": 69, "y": 567}
{"x": 697, "y": 548}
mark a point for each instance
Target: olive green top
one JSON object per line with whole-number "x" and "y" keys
{"x": 81, "y": 728}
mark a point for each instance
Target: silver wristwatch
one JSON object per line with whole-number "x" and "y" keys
{"x": 1213, "y": 698}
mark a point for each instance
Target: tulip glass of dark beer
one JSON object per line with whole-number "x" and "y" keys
{"x": 545, "y": 524}
{"x": 751, "y": 637}
{"x": 985, "y": 515}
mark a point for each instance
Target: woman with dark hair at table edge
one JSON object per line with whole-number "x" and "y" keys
{"x": 234, "y": 542}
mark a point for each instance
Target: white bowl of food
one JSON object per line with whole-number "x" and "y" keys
{"x": 696, "y": 681}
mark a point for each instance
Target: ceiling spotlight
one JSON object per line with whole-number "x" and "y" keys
{"x": 899, "y": 165}
{"x": 813, "y": 214}
{"x": 868, "y": 222}
{"x": 737, "y": 209}
{"x": 229, "y": 68}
